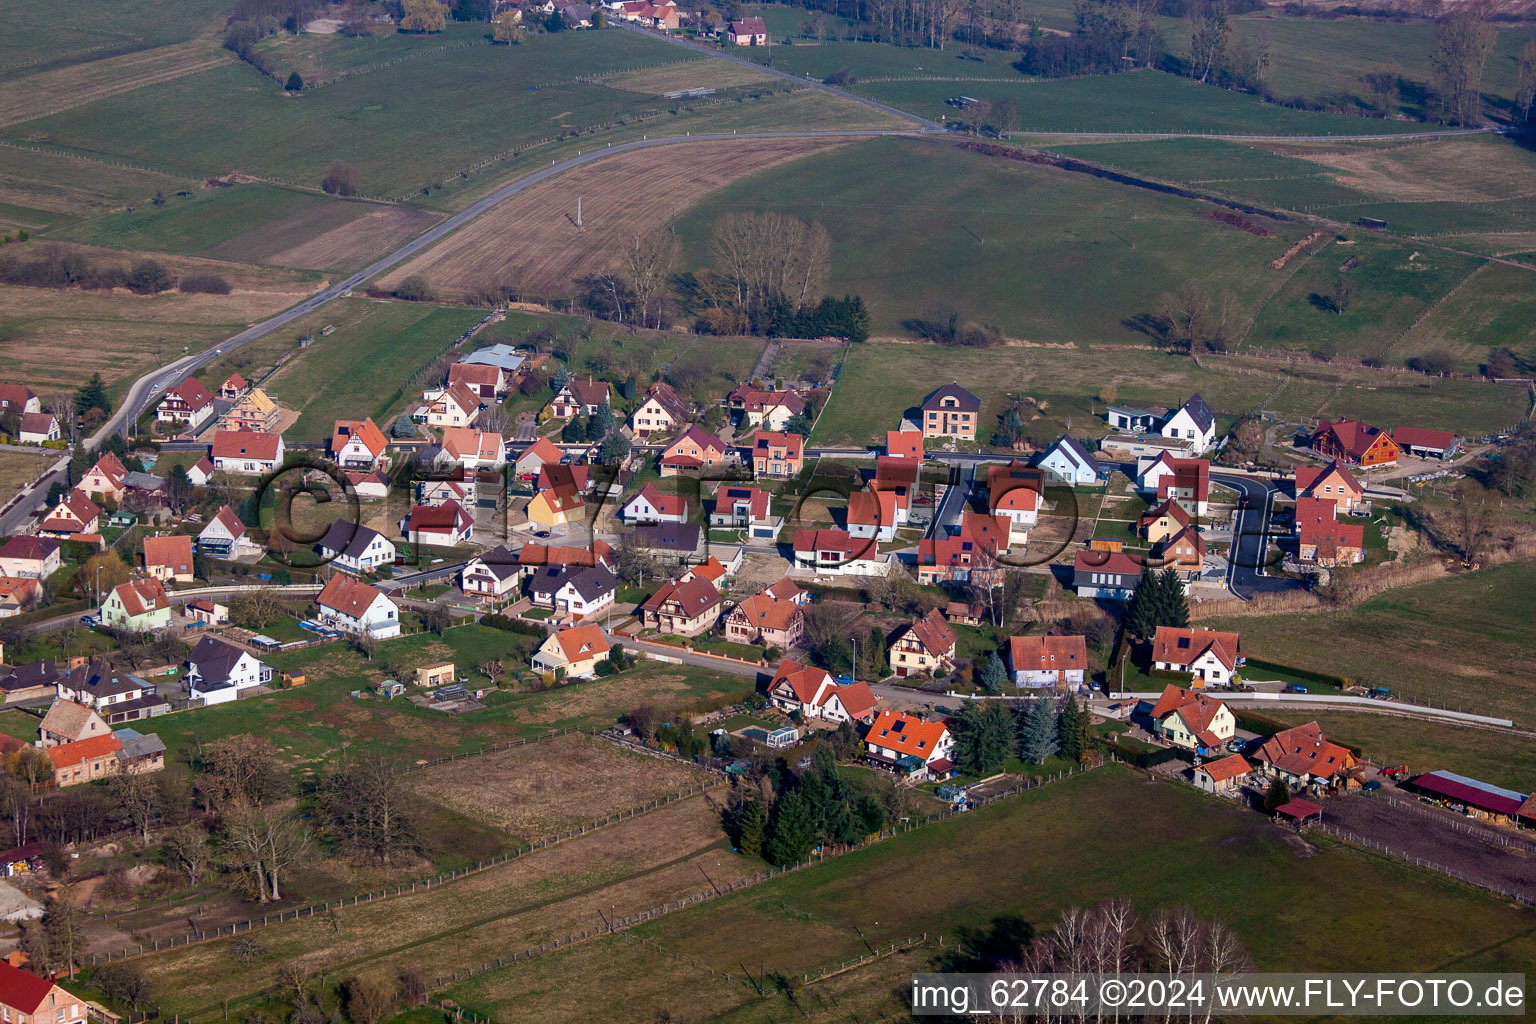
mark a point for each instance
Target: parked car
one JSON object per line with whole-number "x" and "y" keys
{"x": 1297, "y": 688}
{"x": 89, "y": 620}
{"x": 1236, "y": 744}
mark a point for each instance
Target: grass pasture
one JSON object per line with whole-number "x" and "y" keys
{"x": 1014, "y": 867}
{"x": 1493, "y": 308}
{"x": 704, "y": 73}
{"x": 877, "y": 61}
{"x": 1455, "y": 642}
{"x": 39, "y": 35}
{"x": 50, "y": 92}
{"x": 47, "y": 188}
{"x": 881, "y": 380}
{"x": 1138, "y": 101}
{"x": 919, "y": 228}
{"x": 532, "y": 242}
{"x": 18, "y": 469}
{"x": 543, "y": 789}
{"x": 352, "y": 372}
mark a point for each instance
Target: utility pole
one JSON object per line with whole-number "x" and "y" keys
{"x": 578, "y": 213}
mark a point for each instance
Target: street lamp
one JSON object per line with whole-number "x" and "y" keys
{"x": 98, "y": 586}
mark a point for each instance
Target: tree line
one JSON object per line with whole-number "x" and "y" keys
{"x": 60, "y": 266}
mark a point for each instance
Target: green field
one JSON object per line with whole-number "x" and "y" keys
{"x": 873, "y": 61}
{"x": 404, "y": 126}
{"x": 352, "y": 372}
{"x": 1455, "y": 643}
{"x": 880, "y": 382}
{"x": 40, "y": 35}
{"x": 919, "y": 228}
{"x": 1494, "y": 308}
{"x": 1014, "y": 867}
{"x": 311, "y": 723}
{"x": 1142, "y": 101}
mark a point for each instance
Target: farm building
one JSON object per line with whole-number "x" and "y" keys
{"x": 1475, "y": 799}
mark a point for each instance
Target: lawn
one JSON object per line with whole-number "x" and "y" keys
{"x": 1141, "y": 101}
{"x": 351, "y": 373}
{"x": 39, "y": 35}
{"x": 310, "y": 724}
{"x": 1460, "y": 642}
{"x": 1014, "y": 867}
{"x": 995, "y": 240}
{"x": 878, "y": 60}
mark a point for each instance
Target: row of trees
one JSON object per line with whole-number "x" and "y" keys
{"x": 989, "y": 732}
{"x": 61, "y": 266}
{"x": 1158, "y": 600}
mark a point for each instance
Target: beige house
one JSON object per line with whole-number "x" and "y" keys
{"x": 761, "y": 618}
{"x": 924, "y": 646}
{"x": 1192, "y": 721}
{"x": 686, "y": 609}
{"x": 440, "y": 674}
{"x": 577, "y": 650}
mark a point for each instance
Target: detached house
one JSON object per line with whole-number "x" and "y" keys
{"x": 1354, "y": 443}
{"x": 226, "y": 537}
{"x": 1059, "y": 661}
{"x": 572, "y": 590}
{"x": 353, "y": 606}
{"x": 696, "y": 449}
{"x": 769, "y": 409}
{"x": 872, "y": 515}
{"x": 1322, "y": 539}
{"x": 85, "y": 761}
{"x": 37, "y": 428}
{"x": 744, "y": 508}
{"x": 1162, "y": 521}
{"x": 169, "y": 558}
{"x": 1186, "y": 481}
{"x": 188, "y": 402}
{"x": 233, "y": 387}
{"x": 1223, "y": 776}
{"x": 472, "y": 449}
{"x": 217, "y": 671}
{"x": 797, "y": 687}
{"x": 20, "y": 398}
{"x": 777, "y": 455}
{"x": 748, "y": 32}
{"x": 17, "y": 594}
{"x": 1013, "y": 492}
{"x": 75, "y": 515}
{"x": 486, "y": 381}
{"x": 1303, "y": 757}
{"x": 30, "y": 557}
{"x": 503, "y": 357}
{"x": 686, "y": 609}
{"x": 358, "y": 444}
{"x": 456, "y": 405}
{"x": 447, "y": 525}
{"x": 355, "y": 548}
{"x": 107, "y": 480}
{"x": 1211, "y": 657}
{"x": 67, "y": 721}
{"x": 651, "y": 506}
{"x": 556, "y": 506}
{"x": 246, "y": 452}
{"x": 1192, "y": 422}
{"x": 580, "y": 398}
{"x": 492, "y": 576}
{"x": 1069, "y": 462}
{"x": 200, "y": 472}
{"x": 904, "y": 444}
{"x": 28, "y": 999}
{"x": 1333, "y": 483}
{"x": 1105, "y": 574}
{"x": 762, "y": 619}
{"x": 535, "y": 457}
{"x": 835, "y": 553}
{"x": 906, "y": 745}
{"x": 661, "y": 413}
{"x": 951, "y": 411}
{"x": 577, "y": 651}
{"x": 254, "y": 412}
{"x": 898, "y": 476}
{"x": 1192, "y": 721}
{"x": 1184, "y": 553}
{"x": 924, "y": 646}
{"x": 138, "y": 606}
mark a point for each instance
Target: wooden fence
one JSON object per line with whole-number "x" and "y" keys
{"x": 1408, "y": 858}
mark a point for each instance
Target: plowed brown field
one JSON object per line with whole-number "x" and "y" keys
{"x": 532, "y": 241}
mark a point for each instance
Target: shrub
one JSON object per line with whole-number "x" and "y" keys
{"x": 149, "y": 277}
{"x": 295, "y": 83}
{"x": 414, "y": 289}
{"x": 203, "y": 284}
{"x": 342, "y": 179}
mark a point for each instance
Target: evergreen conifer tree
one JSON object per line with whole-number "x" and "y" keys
{"x": 1037, "y": 738}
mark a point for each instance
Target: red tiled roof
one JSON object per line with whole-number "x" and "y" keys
{"x": 192, "y": 392}
{"x": 793, "y": 444}
{"x": 803, "y": 679}
{"x": 173, "y": 552}
{"x": 581, "y": 642}
{"x": 1229, "y": 767}
{"x": 664, "y": 504}
{"x": 935, "y": 633}
{"x": 907, "y": 444}
{"x": 1352, "y": 436}
{"x": 905, "y": 734}
{"x": 1107, "y": 561}
{"x": 245, "y": 444}
{"x": 1047, "y": 653}
{"x": 1422, "y": 437}
{"x": 543, "y": 449}
{"x": 1303, "y": 751}
{"x": 1197, "y": 711}
{"x": 1175, "y": 646}
{"x": 1308, "y": 478}
{"x": 20, "y": 990}
{"x": 349, "y": 596}
{"x": 872, "y": 508}
{"x": 67, "y": 755}
{"x": 765, "y": 613}
{"x": 140, "y": 596}
{"x": 364, "y": 430}
{"x": 857, "y": 699}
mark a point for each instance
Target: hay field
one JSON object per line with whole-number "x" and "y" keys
{"x": 53, "y": 183}
{"x": 1467, "y": 170}
{"x": 545, "y": 788}
{"x": 17, "y": 470}
{"x": 52, "y": 339}
{"x": 532, "y": 240}
{"x": 354, "y": 243}
{"x": 50, "y": 92}
{"x": 706, "y": 73}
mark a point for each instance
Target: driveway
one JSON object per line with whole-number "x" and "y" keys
{"x": 1246, "y": 568}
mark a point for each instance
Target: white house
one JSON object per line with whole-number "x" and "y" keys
{"x": 797, "y": 687}
{"x": 1069, "y": 462}
{"x": 472, "y": 449}
{"x": 651, "y": 506}
{"x": 872, "y": 515}
{"x": 1059, "y": 661}
{"x": 910, "y": 746}
{"x": 446, "y": 525}
{"x": 457, "y": 405}
{"x": 247, "y": 452}
{"x": 225, "y": 536}
{"x": 577, "y": 591}
{"x": 1193, "y": 422}
{"x": 493, "y": 575}
{"x": 352, "y": 606}
{"x": 188, "y": 402}
{"x": 1211, "y": 657}
{"x": 37, "y": 428}
{"x": 358, "y": 444}
{"x": 218, "y": 671}
{"x": 354, "y": 547}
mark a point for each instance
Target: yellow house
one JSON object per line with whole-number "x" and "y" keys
{"x": 435, "y": 675}
{"x": 1192, "y": 721}
{"x": 1162, "y": 521}
{"x": 555, "y": 506}
{"x": 578, "y": 650}
{"x": 926, "y": 645}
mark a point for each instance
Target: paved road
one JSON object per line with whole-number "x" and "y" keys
{"x": 1253, "y": 138}
{"x": 1246, "y": 575}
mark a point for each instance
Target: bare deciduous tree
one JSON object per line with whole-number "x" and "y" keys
{"x": 766, "y": 254}
{"x": 368, "y": 809}
{"x": 138, "y": 795}
{"x": 242, "y": 768}
{"x": 265, "y": 842}
{"x": 648, "y": 260}
{"x": 186, "y": 847}
{"x": 1463, "y": 41}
